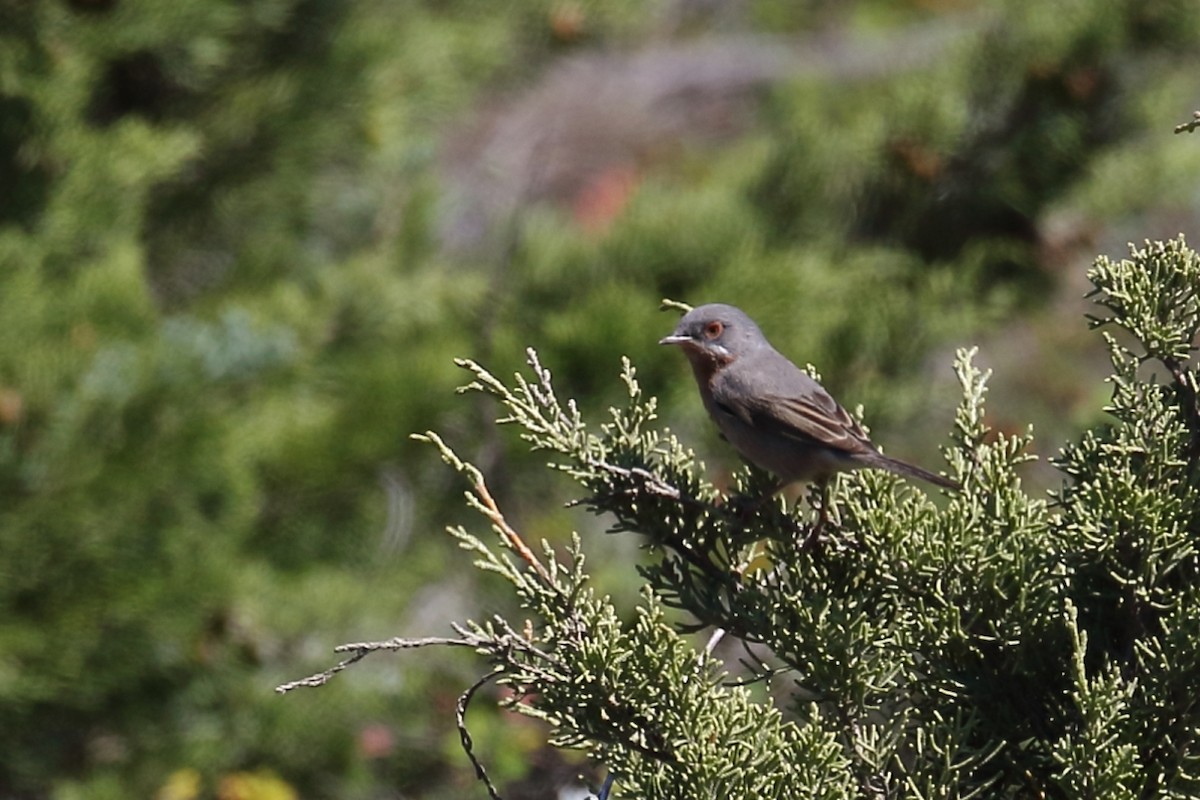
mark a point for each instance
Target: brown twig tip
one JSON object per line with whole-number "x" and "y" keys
{"x": 487, "y": 504}
{"x": 514, "y": 540}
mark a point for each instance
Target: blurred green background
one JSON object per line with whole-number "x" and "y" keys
{"x": 241, "y": 242}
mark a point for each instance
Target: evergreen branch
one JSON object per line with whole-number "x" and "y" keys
{"x": 502, "y": 647}
{"x": 615, "y": 487}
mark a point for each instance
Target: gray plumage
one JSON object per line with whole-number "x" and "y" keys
{"x": 776, "y": 416}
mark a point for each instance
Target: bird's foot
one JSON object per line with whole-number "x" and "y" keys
{"x": 743, "y": 507}
{"x": 812, "y": 537}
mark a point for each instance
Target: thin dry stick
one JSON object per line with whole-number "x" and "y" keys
{"x": 323, "y": 677}
{"x": 360, "y": 650}
{"x": 460, "y": 718}
{"x": 1191, "y": 125}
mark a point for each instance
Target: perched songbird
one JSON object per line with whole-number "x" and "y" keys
{"x": 775, "y": 415}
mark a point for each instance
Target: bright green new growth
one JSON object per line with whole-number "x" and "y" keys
{"x": 992, "y": 645}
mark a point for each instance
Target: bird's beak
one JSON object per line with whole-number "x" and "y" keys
{"x": 676, "y": 338}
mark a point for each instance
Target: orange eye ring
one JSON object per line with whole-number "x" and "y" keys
{"x": 713, "y": 329}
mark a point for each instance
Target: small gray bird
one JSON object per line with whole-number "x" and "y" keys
{"x": 774, "y": 414}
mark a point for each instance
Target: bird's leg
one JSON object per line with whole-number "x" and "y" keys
{"x": 814, "y": 532}
{"x": 745, "y": 506}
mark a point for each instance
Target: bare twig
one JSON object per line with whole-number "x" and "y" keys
{"x": 1189, "y": 126}
{"x": 714, "y": 640}
{"x": 759, "y": 671}
{"x": 667, "y": 304}
{"x": 323, "y": 677}
{"x": 360, "y": 650}
{"x": 399, "y": 643}
{"x": 651, "y": 482}
{"x": 460, "y": 718}
{"x": 499, "y": 647}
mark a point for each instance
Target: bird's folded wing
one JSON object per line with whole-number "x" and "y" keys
{"x": 810, "y": 419}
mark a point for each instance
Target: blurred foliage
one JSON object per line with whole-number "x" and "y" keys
{"x": 233, "y": 279}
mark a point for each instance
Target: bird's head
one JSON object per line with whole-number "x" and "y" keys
{"x": 716, "y": 333}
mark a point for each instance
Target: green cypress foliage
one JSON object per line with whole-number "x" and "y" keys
{"x": 988, "y": 644}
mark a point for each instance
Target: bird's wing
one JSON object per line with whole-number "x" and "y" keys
{"x": 814, "y": 417}
{"x": 808, "y": 415}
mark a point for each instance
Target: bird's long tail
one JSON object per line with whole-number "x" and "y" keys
{"x": 913, "y": 471}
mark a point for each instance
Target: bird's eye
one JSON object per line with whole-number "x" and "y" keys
{"x": 713, "y": 329}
